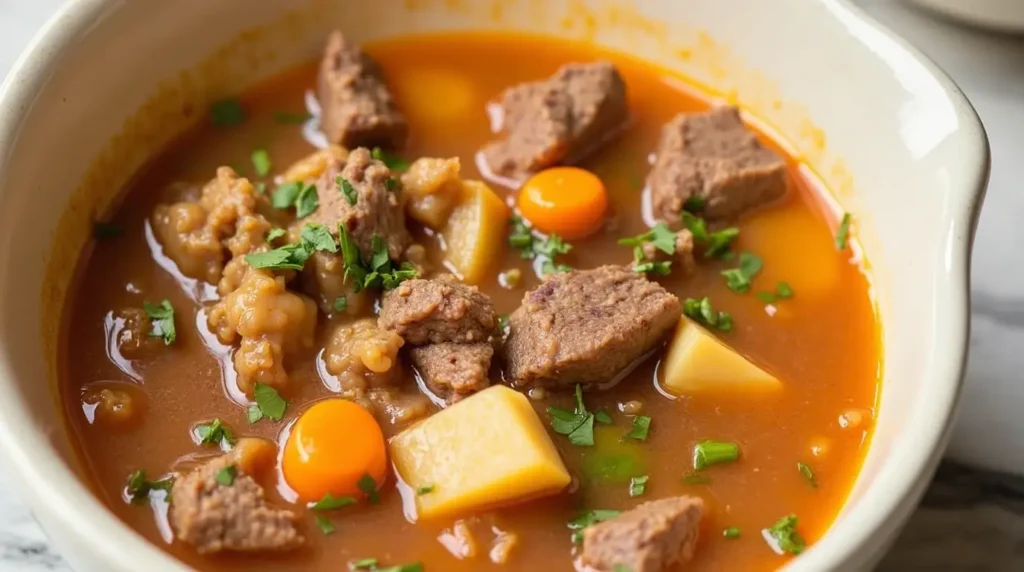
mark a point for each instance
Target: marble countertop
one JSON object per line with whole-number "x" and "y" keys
{"x": 970, "y": 519}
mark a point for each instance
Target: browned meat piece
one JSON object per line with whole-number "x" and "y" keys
{"x": 437, "y": 311}
{"x": 356, "y": 108}
{"x": 650, "y": 538}
{"x": 586, "y": 326}
{"x": 682, "y": 259}
{"x": 232, "y": 514}
{"x": 558, "y": 120}
{"x": 713, "y": 156}
{"x": 453, "y": 371}
{"x": 377, "y": 210}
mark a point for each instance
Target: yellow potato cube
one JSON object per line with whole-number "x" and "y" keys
{"x": 697, "y": 361}
{"x": 475, "y": 233}
{"x": 487, "y": 450}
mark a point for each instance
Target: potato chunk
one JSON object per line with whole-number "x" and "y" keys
{"x": 489, "y": 449}
{"x": 475, "y": 233}
{"x": 697, "y": 361}
{"x": 431, "y": 187}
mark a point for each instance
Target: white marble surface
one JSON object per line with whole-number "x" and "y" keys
{"x": 970, "y": 520}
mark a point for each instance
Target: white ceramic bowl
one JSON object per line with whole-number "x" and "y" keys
{"x": 107, "y": 83}
{"x": 1001, "y": 15}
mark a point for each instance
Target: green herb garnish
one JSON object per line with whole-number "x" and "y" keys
{"x": 549, "y": 267}
{"x": 284, "y": 195}
{"x": 578, "y": 425}
{"x": 227, "y": 113}
{"x": 738, "y": 279}
{"x": 162, "y": 319}
{"x": 782, "y": 291}
{"x": 363, "y": 564}
{"x": 214, "y": 433}
{"x": 254, "y": 413}
{"x": 261, "y": 162}
{"x": 307, "y": 202}
{"x": 379, "y": 271}
{"x": 503, "y": 324}
{"x": 641, "y": 427}
{"x": 603, "y": 417}
{"x": 324, "y": 524}
{"x": 275, "y": 233}
{"x": 287, "y": 257}
{"x": 269, "y": 401}
{"x": 340, "y": 304}
{"x": 660, "y": 236}
{"x": 393, "y": 162}
{"x": 331, "y": 502}
{"x": 638, "y": 485}
{"x": 717, "y": 242}
{"x": 348, "y": 190}
{"x": 785, "y": 535}
{"x": 702, "y": 311}
{"x": 226, "y": 476}
{"x": 317, "y": 237}
{"x": 139, "y": 487}
{"x": 589, "y": 518}
{"x": 842, "y": 237}
{"x": 695, "y": 204}
{"x": 807, "y": 473}
{"x": 663, "y": 268}
{"x": 425, "y": 490}
{"x": 369, "y": 487}
{"x": 102, "y": 230}
{"x": 731, "y": 532}
{"x": 708, "y": 453}
{"x": 520, "y": 236}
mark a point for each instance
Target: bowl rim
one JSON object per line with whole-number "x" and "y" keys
{"x": 52, "y": 487}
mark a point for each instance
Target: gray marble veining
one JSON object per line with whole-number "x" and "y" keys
{"x": 970, "y": 519}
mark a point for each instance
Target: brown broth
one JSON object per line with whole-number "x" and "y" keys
{"x": 823, "y": 343}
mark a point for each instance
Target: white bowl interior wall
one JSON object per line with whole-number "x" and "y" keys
{"x": 881, "y": 108}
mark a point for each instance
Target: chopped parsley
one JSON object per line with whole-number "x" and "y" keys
{"x": 695, "y": 204}
{"x": 226, "y": 476}
{"x": 307, "y": 202}
{"x": 254, "y": 413}
{"x": 552, "y": 246}
{"x": 227, "y": 113}
{"x": 716, "y": 243}
{"x": 214, "y": 433}
{"x": 340, "y": 304}
{"x": 290, "y": 118}
{"x": 139, "y": 486}
{"x": 275, "y": 233}
{"x": 603, "y": 417}
{"x": 313, "y": 237}
{"x": 369, "y": 487}
{"x": 101, "y": 230}
{"x": 662, "y": 267}
{"x": 284, "y": 195}
{"x": 782, "y": 291}
{"x": 731, "y": 532}
{"x": 577, "y": 425}
{"x": 531, "y": 246}
{"x": 521, "y": 237}
{"x": 393, "y": 162}
{"x": 318, "y": 237}
{"x": 348, "y": 190}
{"x": 660, "y": 236}
{"x": 807, "y": 473}
{"x": 331, "y": 502}
{"x": 708, "y": 453}
{"x": 261, "y": 162}
{"x": 588, "y": 518}
{"x": 549, "y": 267}
{"x": 296, "y": 194}
{"x": 324, "y": 524}
{"x": 702, "y": 311}
{"x": 842, "y": 237}
{"x": 379, "y": 271}
{"x": 739, "y": 279}
{"x": 425, "y": 490}
{"x": 270, "y": 403}
{"x": 162, "y": 320}
{"x": 638, "y": 485}
{"x": 641, "y": 427}
{"x": 785, "y": 537}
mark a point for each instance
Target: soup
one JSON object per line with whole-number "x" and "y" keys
{"x": 523, "y": 304}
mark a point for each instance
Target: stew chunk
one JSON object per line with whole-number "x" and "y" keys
{"x": 356, "y": 107}
{"x": 558, "y": 120}
{"x": 437, "y": 311}
{"x": 357, "y": 193}
{"x": 586, "y": 326}
{"x": 649, "y": 538}
{"x": 453, "y": 371}
{"x": 220, "y": 506}
{"x": 714, "y": 157}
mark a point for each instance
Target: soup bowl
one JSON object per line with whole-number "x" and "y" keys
{"x": 107, "y": 84}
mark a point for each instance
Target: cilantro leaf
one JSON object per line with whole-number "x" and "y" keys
{"x": 739, "y": 279}
{"x": 227, "y": 113}
{"x": 307, "y": 202}
{"x": 348, "y": 190}
{"x": 641, "y": 428}
{"x": 393, "y": 162}
{"x": 589, "y": 518}
{"x": 661, "y": 267}
{"x": 261, "y": 162}
{"x": 340, "y": 304}
{"x": 520, "y": 236}
{"x": 214, "y": 433}
{"x": 369, "y": 487}
{"x": 275, "y": 233}
{"x": 552, "y": 246}
{"x": 695, "y": 204}
{"x": 284, "y": 195}
{"x": 269, "y": 401}
{"x": 702, "y": 311}
{"x": 162, "y": 320}
{"x": 318, "y": 237}
{"x": 226, "y": 476}
{"x": 139, "y": 487}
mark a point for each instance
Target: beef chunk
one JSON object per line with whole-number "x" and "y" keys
{"x": 586, "y": 326}
{"x": 682, "y": 259}
{"x": 650, "y": 538}
{"x": 453, "y": 371}
{"x": 558, "y": 120}
{"x": 356, "y": 108}
{"x": 437, "y": 311}
{"x": 215, "y": 517}
{"x": 377, "y": 211}
{"x": 713, "y": 156}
